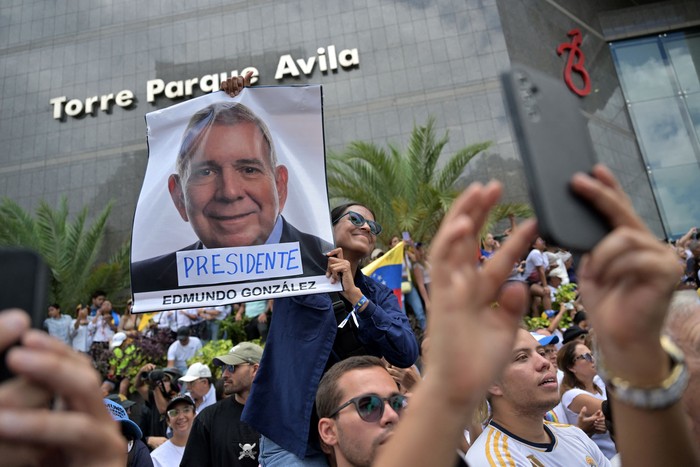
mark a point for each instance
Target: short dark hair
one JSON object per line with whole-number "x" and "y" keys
{"x": 55, "y": 305}
{"x": 97, "y": 293}
{"x": 339, "y": 210}
{"x": 329, "y": 393}
{"x": 222, "y": 113}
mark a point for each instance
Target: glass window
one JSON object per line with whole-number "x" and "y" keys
{"x": 662, "y": 133}
{"x": 660, "y": 78}
{"x": 684, "y": 53}
{"x": 642, "y": 71}
{"x": 677, "y": 191}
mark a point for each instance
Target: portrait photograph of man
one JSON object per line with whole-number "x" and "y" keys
{"x": 216, "y": 205}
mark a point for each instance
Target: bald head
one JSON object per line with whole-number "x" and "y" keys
{"x": 683, "y": 326}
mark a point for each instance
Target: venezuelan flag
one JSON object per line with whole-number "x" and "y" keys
{"x": 387, "y": 269}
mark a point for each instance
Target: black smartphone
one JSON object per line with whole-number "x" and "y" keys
{"x": 554, "y": 144}
{"x": 24, "y": 283}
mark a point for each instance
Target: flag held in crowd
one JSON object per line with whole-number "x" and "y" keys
{"x": 387, "y": 269}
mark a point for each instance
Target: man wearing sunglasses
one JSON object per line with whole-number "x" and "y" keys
{"x": 358, "y": 404}
{"x": 219, "y": 438}
{"x": 230, "y": 187}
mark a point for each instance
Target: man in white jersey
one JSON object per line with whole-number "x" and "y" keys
{"x": 517, "y": 434}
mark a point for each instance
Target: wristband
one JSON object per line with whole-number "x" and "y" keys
{"x": 359, "y": 304}
{"x": 667, "y": 393}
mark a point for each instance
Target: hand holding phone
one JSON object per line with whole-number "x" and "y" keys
{"x": 554, "y": 145}
{"x": 24, "y": 280}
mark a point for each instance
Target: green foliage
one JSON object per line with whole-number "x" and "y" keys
{"x": 406, "y": 190}
{"x": 69, "y": 247}
{"x": 565, "y": 294}
{"x": 212, "y": 349}
{"x": 536, "y": 323}
{"x": 127, "y": 360}
{"x": 235, "y": 330}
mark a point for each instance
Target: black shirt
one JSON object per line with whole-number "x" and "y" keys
{"x": 220, "y": 438}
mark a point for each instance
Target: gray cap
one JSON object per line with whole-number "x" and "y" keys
{"x": 245, "y": 352}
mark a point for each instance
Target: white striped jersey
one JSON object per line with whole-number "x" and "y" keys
{"x": 568, "y": 447}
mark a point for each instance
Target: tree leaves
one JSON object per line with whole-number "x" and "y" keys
{"x": 406, "y": 189}
{"x": 69, "y": 247}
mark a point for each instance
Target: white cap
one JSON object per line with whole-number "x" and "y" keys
{"x": 117, "y": 340}
{"x": 195, "y": 371}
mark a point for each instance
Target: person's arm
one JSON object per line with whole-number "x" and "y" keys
{"x": 554, "y": 322}
{"x": 627, "y": 282}
{"x": 171, "y": 354}
{"x": 543, "y": 278}
{"x": 585, "y": 400}
{"x": 382, "y": 324}
{"x": 386, "y": 328}
{"x": 464, "y": 323}
{"x": 683, "y": 241}
{"x": 240, "y": 312}
{"x": 140, "y": 383}
{"x": 82, "y": 434}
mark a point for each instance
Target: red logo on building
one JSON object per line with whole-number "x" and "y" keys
{"x": 574, "y": 63}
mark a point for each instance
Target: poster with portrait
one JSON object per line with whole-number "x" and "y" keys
{"x": 234, "y": 203}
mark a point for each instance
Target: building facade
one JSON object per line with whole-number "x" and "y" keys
{"x": 78, "y": 76}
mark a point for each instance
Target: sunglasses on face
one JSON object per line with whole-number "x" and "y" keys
{"x": 232, "y": 368}
{"x": 587, "y": 356}
{"x": 172, "y": 413}
{"x": 358, "y": 221}
{"x": 370, "y": 407}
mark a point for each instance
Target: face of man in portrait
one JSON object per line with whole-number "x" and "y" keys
{"x": 232, "y": 194}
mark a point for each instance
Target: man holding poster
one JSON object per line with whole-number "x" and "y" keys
{"x": 230, "y": 188}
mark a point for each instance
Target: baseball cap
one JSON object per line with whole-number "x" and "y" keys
{"x": 195, "y": 371}
{"x": 181, "y": 398}
{"x": 129, "y": 429}
{"x": 572, "y": 333}
{"x": 245, "y": 352}
{"x": 545, "y": 340}
{"x": 126, "y": 403}
{"x": 117, "y": 340}
{"x": 183, "y": 332}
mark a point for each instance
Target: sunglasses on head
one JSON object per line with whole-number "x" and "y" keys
{"x": 370, "y": 407}
{"x": 587, "y": 356}
{"x": 358, "y": 221}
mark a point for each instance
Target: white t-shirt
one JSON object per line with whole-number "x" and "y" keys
{"x": 167, "y": 455}
{"x": 604, "y": 442}
{"x": 534, "y": 260}
{"x": 181, "y": 353}
{"x": 569, "y": 447}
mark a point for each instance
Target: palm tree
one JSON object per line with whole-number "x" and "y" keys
{"x": 407, "y": 191}
{"x": 69, "y": 248}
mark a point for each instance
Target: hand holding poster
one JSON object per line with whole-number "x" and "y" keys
{"x": 234, "y": 205}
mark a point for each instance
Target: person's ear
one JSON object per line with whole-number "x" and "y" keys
{"x": 177, "y": 194}
{"x": 255, "y": 369}
{"x": 327, "y": 432}
{"x": 495, "y": 390}
{"x": 281, "y": 179}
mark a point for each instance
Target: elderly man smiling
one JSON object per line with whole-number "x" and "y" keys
{"x": 231, "y": 189}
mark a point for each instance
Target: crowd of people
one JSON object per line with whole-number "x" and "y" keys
{"x": 609, "y": 373}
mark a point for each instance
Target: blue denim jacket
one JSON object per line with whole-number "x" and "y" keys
{"x": 298, "y": 347}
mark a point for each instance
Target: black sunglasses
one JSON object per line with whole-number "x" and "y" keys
{"x": 370, "y": 407}
{"x": 586, "y": 356}
{"x": 358, "y": 221}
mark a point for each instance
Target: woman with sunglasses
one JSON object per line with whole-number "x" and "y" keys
{"x": 581, "y": 387}
{"x": 310, "y": 333}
